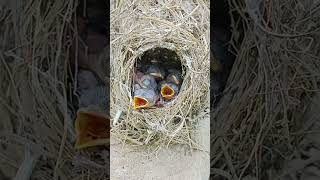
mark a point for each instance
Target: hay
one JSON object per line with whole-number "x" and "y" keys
{"x": 258, "y": 123}
{"x": 181, "y": 26}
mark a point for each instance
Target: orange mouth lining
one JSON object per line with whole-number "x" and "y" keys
{"x": 93, "y": 129}
{"x": 140, "y": 102}
{"x": 167, "y": 92}
{"x": 96, "y": 125}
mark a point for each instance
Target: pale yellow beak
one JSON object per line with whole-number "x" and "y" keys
{"x": 159, "y": 75}
{"x": 176, "y": 80}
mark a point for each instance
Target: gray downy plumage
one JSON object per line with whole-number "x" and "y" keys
{"x": 149, "y": 94}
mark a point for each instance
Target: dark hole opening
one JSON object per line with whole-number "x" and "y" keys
{"x": 161, "y": 57}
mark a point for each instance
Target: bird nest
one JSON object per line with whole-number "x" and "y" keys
{"x": 181, "y": 28}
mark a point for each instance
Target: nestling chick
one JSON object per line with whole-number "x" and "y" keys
{"x": 156, "y": 72}
{"x": 144, "y": 98}
{"x": 174, "y": 76}
{"x": 92, "y": 128}
{"x": 144, "y": 80}
{"x": 168, "y": 90}
{"x": 148, "y": 81}
{"x": 92, "y": 123}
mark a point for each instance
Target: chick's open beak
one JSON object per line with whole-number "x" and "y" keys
{"x": 140, "y": 102}
{"x": 167, "y": 92}
{"x": 93, "y": 129}
{"x": 144, "y": 98}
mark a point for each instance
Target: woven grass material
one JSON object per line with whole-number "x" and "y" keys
{"x": 259, "y": 121}
{"x": 181, "y": 26}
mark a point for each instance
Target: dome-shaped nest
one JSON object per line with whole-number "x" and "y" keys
{"x": 179, "y": 28}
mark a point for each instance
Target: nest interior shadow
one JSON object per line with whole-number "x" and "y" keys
{"x": 224, "y": 46}
{"x": 161, "y": 57}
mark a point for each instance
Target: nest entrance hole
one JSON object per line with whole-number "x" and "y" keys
{"x": 164, "y": 58}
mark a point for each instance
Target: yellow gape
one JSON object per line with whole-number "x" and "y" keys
{"x": 167, "y": 92}
{"x": 140, "y": 102}
{"x": 92, "y": 128}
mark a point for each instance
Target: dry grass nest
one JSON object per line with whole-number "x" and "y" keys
{"x": 258, "y": 125}
{"x": 180, "y": 26}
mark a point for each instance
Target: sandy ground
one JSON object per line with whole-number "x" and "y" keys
{"x": 128, "y": 163}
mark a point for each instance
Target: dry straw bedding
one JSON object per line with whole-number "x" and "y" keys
{"x": 181, "y": 26}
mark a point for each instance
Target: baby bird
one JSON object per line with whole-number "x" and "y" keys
{"x": 144, "y": 98}
{"x": 156, "y": 72}
{"x": 144, "y": 80}
{"x": 148, "y": 81}
{"x": 168, "y": 90}
{"x": 174, "y": 76}
{"x": 93, "y": 128}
